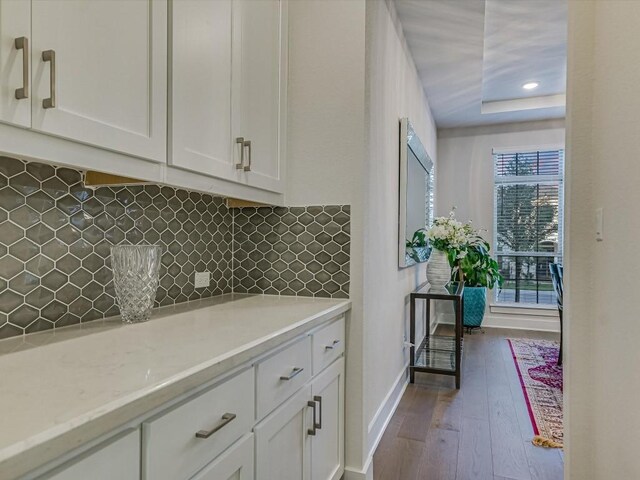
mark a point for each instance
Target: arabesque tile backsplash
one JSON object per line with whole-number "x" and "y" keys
{"x": 55, "y": 239}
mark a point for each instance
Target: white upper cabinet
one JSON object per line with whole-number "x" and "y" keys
{"x": 100, "y": 73}
{"x": 228, "y": 89}
{"x": 259, "y": 88}
{"x": 201, "y": 87}
{"x": 15, "y": 36}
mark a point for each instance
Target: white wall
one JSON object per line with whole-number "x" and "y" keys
{"x": 601, "y": 366}
{"x": 464, "y": 178}
{"x": 325, "y": 127}
{"x": 393, "y": 91}
{"x": 325, "y": 154}
{"x": 348, "y": 88}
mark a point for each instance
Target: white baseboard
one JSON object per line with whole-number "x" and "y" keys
{"x": 352, "y": 474}
{"x": 379, "y": 423}
{"x": 516, "y": 322}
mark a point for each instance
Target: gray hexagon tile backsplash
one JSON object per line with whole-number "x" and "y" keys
{"x": 292, "y": 251}
{"x": 55, "y": 239}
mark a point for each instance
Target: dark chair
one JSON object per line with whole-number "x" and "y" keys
{"x": 556, "y": 278}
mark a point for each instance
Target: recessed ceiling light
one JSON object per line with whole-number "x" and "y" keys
{"x": 530, "y": 85}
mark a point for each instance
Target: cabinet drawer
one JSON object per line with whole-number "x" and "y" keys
{"x": 234, "y": 464}
{"x": 281, "y": 375}
{"x": 328, "y": 344}
{"x": 171, "y": 449}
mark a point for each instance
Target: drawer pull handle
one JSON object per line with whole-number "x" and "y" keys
{"x": 331, "y": 347}
{"x": 240, "y": 165}
{"x": 318, "y": 399}
{"x": 247, "y": 167}
{"x": 296, "y": 371}
{"x": 312, "y": 430}
{"x": 50, "y": 56}
{"x": 227, "y": 418}
{"x": 22, "y": 43}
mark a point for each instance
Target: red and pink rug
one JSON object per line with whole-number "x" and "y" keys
{"x": 541, "y": 380}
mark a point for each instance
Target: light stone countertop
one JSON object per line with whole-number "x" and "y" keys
{"x": 63, "y": 388}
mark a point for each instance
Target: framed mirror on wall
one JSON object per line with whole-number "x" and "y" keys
{"x": 416, "y": 198}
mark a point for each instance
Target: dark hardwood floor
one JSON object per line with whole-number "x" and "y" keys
{"x": 481, "y": 432}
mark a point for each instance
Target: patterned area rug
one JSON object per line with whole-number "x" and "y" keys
{"x": 541, "y": 381}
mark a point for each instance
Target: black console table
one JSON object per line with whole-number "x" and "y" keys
{"x": 440, "y": 354}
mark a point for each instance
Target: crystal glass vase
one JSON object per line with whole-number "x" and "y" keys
{"x": 136, "y": 270}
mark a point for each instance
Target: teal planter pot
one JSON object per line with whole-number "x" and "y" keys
{"x": 475, "y": 301}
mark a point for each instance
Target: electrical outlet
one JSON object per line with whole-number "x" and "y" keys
{"x": 599, "y": 225}
{"x": 202, "y": 279}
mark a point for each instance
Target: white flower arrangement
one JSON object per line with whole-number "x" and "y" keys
{"x": 447, "y": 233}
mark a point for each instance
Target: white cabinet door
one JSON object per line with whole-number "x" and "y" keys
{"x": 327, "y": 446}
{"x": 119, "y": 459}
{"x": 15, "y": 55}
{"x": 259, "y": 88}
{"x": 201, "y": 87}
{"x": 283, "y": 444}
{"x": 234, "y": 464}
{"x": 106, "y": 84}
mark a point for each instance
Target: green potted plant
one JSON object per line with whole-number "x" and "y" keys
{"x": 480, "y": 271}
{"x": 417, "y": 249}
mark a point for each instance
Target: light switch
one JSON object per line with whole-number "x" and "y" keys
{"x": 599, "y": 225}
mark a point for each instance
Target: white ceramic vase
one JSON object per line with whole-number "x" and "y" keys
{"x": 438, "y": 269}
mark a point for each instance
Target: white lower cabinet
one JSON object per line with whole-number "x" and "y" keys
{"x": 234, "y": 464}
{"x": 270, "y": 420}
{"x": 120, "y": 459}
{"x": 283, "y": 442}
{"x": 180, "y": 442}
{"x": 327, "y": 445}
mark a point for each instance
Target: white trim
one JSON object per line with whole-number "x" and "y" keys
{"x": 379, "y": 423}
{"x": 525, "y": 309}
{"x": 527, "y": 103}
{"x": 527, "y": 179}
{"x": 526, "y": 149}
{"x": 354, "y": 474}
{"x": 390, "y": 402}
{"x": 514, "y": 322}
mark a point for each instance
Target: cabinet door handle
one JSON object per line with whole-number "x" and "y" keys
{"x": 332, "y": 346}
{"x": 295, "y": 372}
{"x": 240, "y": 165}
{"x": 312, "y": 430}
{"x": 247, "y": 168}
{"x": 227, "y": 418}
{"x": 22, "y": 43}
{"x": 318, "y": 425}
{"x": 50, "y": 56}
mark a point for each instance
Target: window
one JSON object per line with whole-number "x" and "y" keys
{"x": 528, "y": 223}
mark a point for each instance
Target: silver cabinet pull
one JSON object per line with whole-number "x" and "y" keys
{"x": 227, "y": 418}
{"x": 312, "y": 430}
{"x": 247, "y": 168}
{"x": 318, "y": 425}
{"x": 22, "y": 43}
{"x": 50, "y": 56}
{"x": 240, "y": 165}
{"x": 332, "y": 346}
{"x": 296, "y": 371}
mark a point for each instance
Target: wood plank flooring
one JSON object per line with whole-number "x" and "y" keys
{"x": 481, "y": 432}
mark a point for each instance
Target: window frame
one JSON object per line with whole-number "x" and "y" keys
{"x": 495, "y": 305}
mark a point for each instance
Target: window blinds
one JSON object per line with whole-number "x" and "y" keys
{"x": 528, "y": 221}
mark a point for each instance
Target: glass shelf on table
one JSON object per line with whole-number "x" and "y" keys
{"x": 438, "y": 352}
{"x": 450, "y": 289}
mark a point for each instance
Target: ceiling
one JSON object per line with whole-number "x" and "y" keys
{"x": 473, "y": 56}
